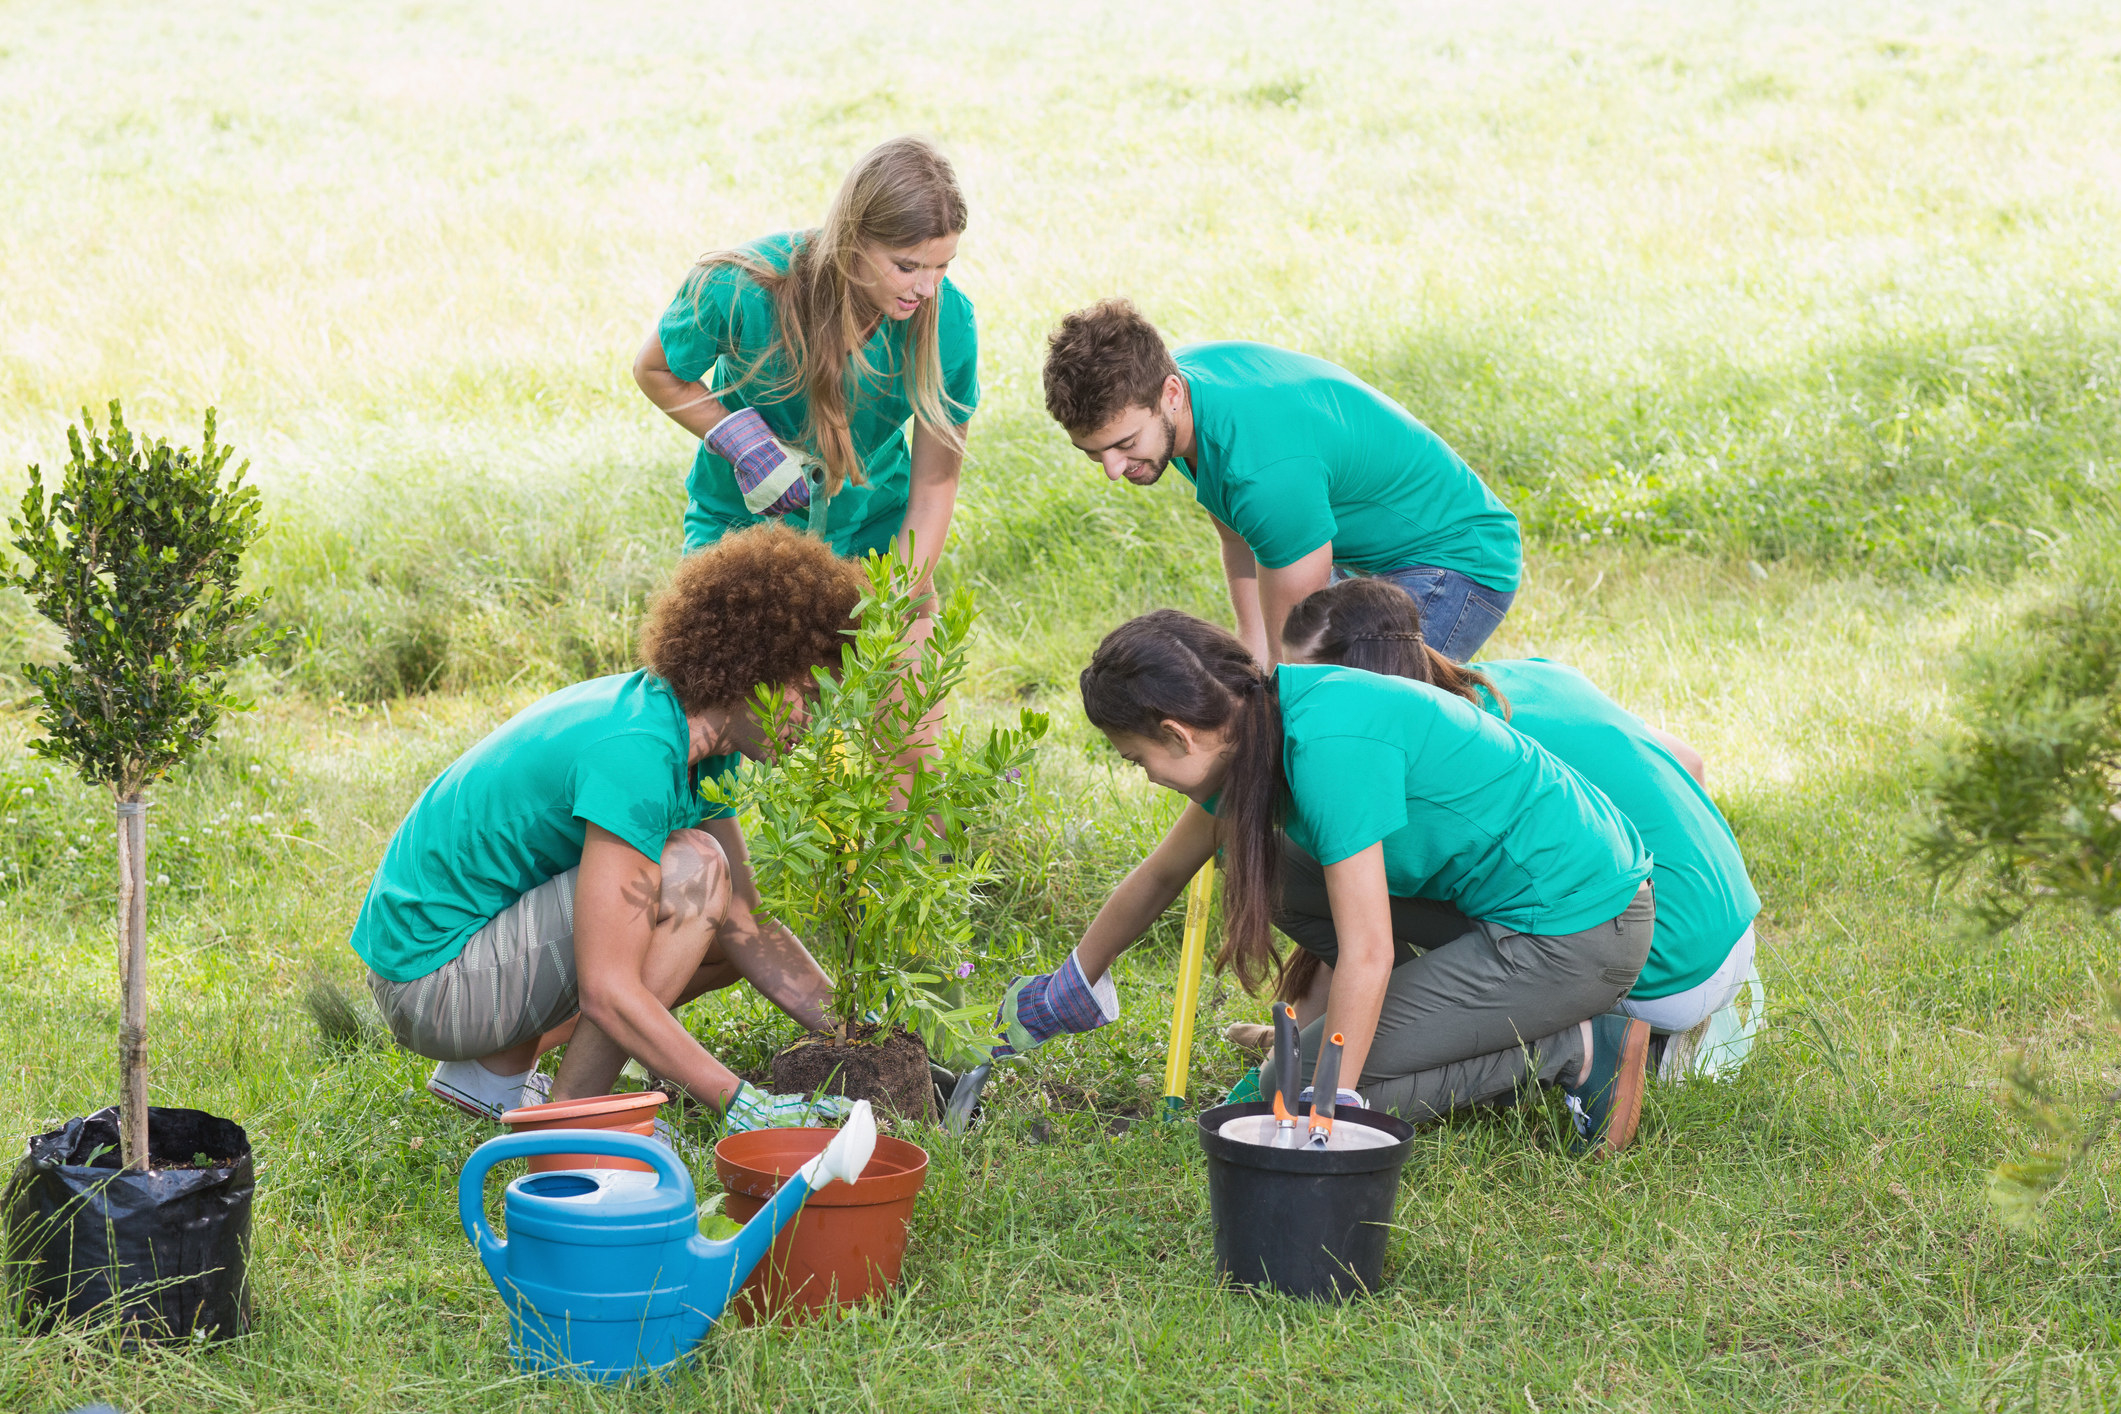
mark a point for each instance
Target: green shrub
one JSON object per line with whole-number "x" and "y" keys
{"x": 843, "y": 825}
{"x": 2027, "y": 809}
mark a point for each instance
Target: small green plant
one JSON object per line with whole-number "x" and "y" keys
{"x": 136, "y": 556}
{"x": 859, "y": 841}
{"x": 2027, "y": 806}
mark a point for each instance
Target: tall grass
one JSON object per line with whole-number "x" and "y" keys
{"x": 1828, "y": 283}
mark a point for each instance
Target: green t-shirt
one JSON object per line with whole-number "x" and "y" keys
{"x": 510, "y": 814}
{"x": 1293, "y": 453}
{"x": 1704, "y": 899}
{"x": 1471, "y": 813}
{"x": 722, "y": 323}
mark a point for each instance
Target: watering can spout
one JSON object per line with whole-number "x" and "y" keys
{"x": 720, "y": 1268}
{"x": 848, "y": 1153}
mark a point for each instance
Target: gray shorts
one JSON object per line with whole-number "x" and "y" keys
{"x": 514, "y": 980}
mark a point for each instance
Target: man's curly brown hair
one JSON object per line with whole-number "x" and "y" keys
{"x": 1102, "y": 361}
{"x": 765, "y": 605}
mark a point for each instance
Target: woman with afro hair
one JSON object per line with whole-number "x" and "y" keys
{"x": 564, "y": 880}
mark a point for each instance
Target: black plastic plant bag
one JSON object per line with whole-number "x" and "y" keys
{"x": 177, "y": 1239}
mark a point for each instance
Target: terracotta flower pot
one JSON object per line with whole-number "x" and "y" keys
{"x": 848, "y": 1242}
{"x": 631, "y": 1113}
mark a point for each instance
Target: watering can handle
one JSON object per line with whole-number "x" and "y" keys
{"x": 471, "y": 1184}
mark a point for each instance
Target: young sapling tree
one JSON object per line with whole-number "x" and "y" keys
{"x": 859, "y": 840}
{"x": 136, "y": 556}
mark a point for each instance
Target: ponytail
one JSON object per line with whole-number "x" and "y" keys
{"x": 1293, "y": 979}
{"x": 1250, "y": 810}
{"x": 1171, "y": 667}
{"x": 1374, "y": 625}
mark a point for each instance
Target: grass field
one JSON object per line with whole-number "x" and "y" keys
{"x": 1789, "y": 331}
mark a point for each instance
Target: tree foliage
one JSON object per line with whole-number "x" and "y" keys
{"x": 137, "y": 557}
{"x": 2027, "y": 809}
{"x": 843, "y": 823}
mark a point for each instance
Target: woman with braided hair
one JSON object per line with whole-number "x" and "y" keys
{"x": 1408, "y": 796}
{"x": 1702, "y": 956}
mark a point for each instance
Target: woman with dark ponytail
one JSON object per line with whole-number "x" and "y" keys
{"x": 1701, "y": 959}
{"x": 1409, "y": 795}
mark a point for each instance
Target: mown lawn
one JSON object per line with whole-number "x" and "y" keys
{"x": 1789, "y": 331}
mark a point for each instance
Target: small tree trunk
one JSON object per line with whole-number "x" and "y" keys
{"x": 132, "y": 979}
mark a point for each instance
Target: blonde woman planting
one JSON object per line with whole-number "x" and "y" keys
{"x": 565, "y": 872}
{"x": 1408, "y": 797}
{"x": 799, "y": 359}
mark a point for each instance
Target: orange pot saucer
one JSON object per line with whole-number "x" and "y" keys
{"x": 569, "y": 1114}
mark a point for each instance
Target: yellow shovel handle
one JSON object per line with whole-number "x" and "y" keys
{"x": 1178, "y": 1057}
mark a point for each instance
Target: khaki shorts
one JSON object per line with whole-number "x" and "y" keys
{"x": 513, "y": 981}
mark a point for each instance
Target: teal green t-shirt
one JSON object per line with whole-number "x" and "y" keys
{"x": 513, "y": 811}
{"x": 722, "y": 324}
{"x": 1705, "y": 901}
{"x": 1471, "y": 812}
{"x": 1293, "y": 453}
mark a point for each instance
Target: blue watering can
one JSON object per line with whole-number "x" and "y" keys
{"x": 604, "y": 1271}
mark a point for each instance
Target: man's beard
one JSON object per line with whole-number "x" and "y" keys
{"x": 1163, "y": 463}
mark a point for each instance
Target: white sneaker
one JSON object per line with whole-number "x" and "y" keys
{"x": 1717, "y": 1047}
{"x": 478, "y": 1092}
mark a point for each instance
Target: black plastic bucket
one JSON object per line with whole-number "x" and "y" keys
{"x": 1306, "y": 1222}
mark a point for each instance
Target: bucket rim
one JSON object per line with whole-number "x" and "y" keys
{"x": 1306, "y": 1161}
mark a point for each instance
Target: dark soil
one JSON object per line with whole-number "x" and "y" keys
{"x": 892, "y": 1076}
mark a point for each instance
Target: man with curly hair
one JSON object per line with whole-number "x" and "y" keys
{"x": 1309, "y": 474}
{"x": 564, "y": 880}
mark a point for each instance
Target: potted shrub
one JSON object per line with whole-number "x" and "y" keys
{"x": 859, "y": 843}
{"x": 136, "y": 557}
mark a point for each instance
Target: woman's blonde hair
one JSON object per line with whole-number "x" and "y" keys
{"x": 901, "y": 193}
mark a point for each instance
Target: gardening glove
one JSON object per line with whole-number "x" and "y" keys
{"x": 752, "y": 1108}
{"x": 773, "y": 477}
{"x": 1062, "y": 1002}
{"x": 1342, "y": 1099}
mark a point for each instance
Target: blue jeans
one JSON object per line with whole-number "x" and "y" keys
{"x": 1457, "y": 614}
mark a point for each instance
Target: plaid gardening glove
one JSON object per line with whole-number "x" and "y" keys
{"x": 752, "y": 1108}
{"x": 1062, "y": 1002}
{"x": 775, "y": 479}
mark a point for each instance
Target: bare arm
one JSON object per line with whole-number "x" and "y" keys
{"x": 1242, "y": 571}
{"x": 689, "y": 405}
{"x": 1283, "y": 589}
{"x": 1687, "y": 755}
{"x": 1149, "y": 888}
{"x": 616, "y": 899}
{"x": 931, "y": 501}
{"x": 1362, "y": 919}
{"x": 771, "y": 957}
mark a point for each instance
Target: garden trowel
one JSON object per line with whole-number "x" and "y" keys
{"x": 1286, "y": 1055}
{"x": 1324, "y": 1091}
